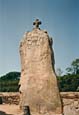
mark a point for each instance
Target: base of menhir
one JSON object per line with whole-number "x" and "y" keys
{"x": 26, "y": 111}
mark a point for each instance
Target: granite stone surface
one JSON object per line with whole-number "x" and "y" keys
{"x": 39, "y": 89}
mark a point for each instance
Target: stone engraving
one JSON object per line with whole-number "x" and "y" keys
{"x": 38, "y": 81}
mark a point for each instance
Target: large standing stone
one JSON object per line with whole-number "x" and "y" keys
{"x": 38, "y": 81}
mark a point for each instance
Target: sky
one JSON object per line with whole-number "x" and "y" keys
{"x": 59, "y": 17}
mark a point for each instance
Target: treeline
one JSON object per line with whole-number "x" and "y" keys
{"x": 70, "y": 81}
{"x": 67, "y": 82}
{"x": 9, "y": 82}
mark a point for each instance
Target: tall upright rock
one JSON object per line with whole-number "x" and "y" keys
{"x": 39, "y": 89}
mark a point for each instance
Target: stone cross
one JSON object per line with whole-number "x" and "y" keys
{"x": 37, "y": 23}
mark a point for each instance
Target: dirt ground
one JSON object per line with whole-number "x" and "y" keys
{"x": 6, "y": 109}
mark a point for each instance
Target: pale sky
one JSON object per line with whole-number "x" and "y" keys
{"x": 59, "y": 17}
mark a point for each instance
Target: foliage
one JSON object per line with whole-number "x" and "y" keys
{"x": 11, "y": 76}
{"x": 68, "y": 82}
{"x": 74, "y": 68}
{"x": 9, "y": 82}
{"x": 59, "y": 72}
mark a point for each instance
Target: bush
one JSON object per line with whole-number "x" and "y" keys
{"x": 9, "y": 82}
{"x": 68, "y": 82}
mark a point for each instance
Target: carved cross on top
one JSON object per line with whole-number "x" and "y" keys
{"x": 37, "y": 23}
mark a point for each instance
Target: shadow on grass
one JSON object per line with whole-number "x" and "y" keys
{"x": 3, "y": 113}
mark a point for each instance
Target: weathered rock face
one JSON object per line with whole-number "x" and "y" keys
{"x": 70, "y": 103}
{"x": 38, "y": 81}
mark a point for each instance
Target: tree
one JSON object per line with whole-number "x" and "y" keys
{"x": 59, "y": 72}
{"x": 69, "y": 82}
{"x": 11, "y": 76}
{"x": 9, "y": 82}
{"x": 69, "y": 70}
{"x": 75, "y": 65}
{"x": 74, "y": 68}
